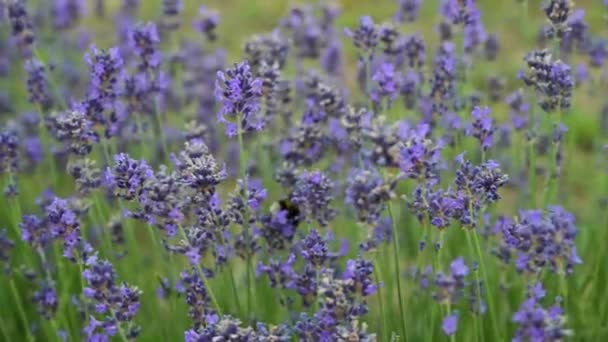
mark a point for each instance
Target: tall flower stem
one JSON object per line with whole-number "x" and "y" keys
{"x": 378, "y": 276}
{"x": 490, "y": 297}
{"x": 478, "y": 327}
{"x": 22, "y": 315}
{"x": 397, "y": 257}
{"x": 243, "y": 175}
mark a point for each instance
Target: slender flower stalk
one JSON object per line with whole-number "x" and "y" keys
{"x": 397, "y": 263}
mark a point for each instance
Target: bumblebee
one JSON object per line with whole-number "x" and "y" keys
{"x": 294, "y": 214}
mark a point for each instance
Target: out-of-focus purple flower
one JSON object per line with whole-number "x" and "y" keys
{"x": 106, "y": 71}
{"x": 21, "y": 27}
{"x": 313, "y": 194}
{"x": 172, "y": 9}
{"x": 408, "y": 10}
{"x": 474, "y": 32}
{"x": 577, "y": 36}
{"x": 415, "y": 51}
{"x": 6, "y": 247}
{"x": 66, "y": 13}
{"x": 598, "y": 52}
{"x": 368, "y": 193}
{"x": 491, "y": 47}
{"x": 388, "y": 82}
{"x": 558, "y": 12}
{"x": 391, "y": 41}
{"x": 332, "y": 58}
{"x": 365, "y": 37}
{"x": 582, "y": 74}
{"x": 35, "y": 231}
{"x": 37, "y": 84}
{"x": 74, "y": 129}
{"x": 9, "y": 151}
{"x": 240, "y": 93}
{"x": 520, "y": 109}
{"x": 483, "y": 127}
{"x": 450, "y": 324}
{"x": 537, "y": 323}
{"x": 443, "y": 88}
{"x": 206, "y": 22}
{"x": 144, "y": 40}
{"x": 420, "y": 158}
{"x": 46, "y": 300}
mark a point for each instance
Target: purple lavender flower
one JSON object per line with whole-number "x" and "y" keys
{"x": 415, "y": 51}
{"x": 577, "y": 36}
{"x": 542, "y": 239}
{"x": 388, "y": 82}
{"x": 144, "y": 40}
{"x": 552, "y": 80}
{"x": 240, "y": 93}
{"x": 66, "y": 13}
{"x": 358, "y": 274}
{"x": 408, "y": 10}
{"x": 37, "y": 84}
{"x": 558, "y": 12}
{"x": 200, "y": 309}
{"x": 197, "y": 168}
{"x": 9, "y": 151}
{"x": 537, "y": 323}
{"x": 172, "y": 9}
{"x": 483, "y": 127}
{"x": 21, "y": 27}
{"x": 332, "y": 59}
{"x": 391, "y": 41}
{"x": 491, "y": 47}
{"x": 6, "y": 247}
{"x": 74, "y": 129}
{"x": 206, "y": 22}
{"x": 46, "y": 299}
{"x": 64, "y": 225}
{"x": 365, "y": 37}
{"x": 126, "y": 178}
{"x": 106, "y": 70}
{"x": 598, "y": 52}
{"x": 115, "y": 304}
{"x": 313, "y": 194}
{"x": 368, "y": 193}
{"x": 35, "y": 231}
{"x": 420, "y": 159}
{"x": 450, "y": 324}
{"x": 474, "y": 31}
{"x": 444, "y": 78}
{"x": 481, "y": 181}
{"x": 519, "y": 109}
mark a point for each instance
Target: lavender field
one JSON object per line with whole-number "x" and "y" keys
{"x": 266, "y": 171}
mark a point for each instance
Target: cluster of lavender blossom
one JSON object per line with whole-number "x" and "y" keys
{"x": 274, "y": 175}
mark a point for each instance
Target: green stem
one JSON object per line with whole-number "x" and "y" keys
{"x": 380, "y": 300}
{"x": 490, "y": 297}
{"x": 243, "y": 174}
{"x": 26, "y": 324}
{"x": 478, "y": 327}
{"x": 396, "y": 252}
